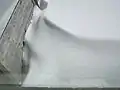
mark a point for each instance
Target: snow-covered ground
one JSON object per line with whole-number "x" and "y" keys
{"x": 64, "y": 59}
{"x": 93, "y": 19}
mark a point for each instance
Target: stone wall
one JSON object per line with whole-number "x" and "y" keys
{"x": 11, "y": 43}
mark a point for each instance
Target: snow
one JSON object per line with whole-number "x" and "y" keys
{"x": 93, "y": 19}
{"x": 64, "y": 60}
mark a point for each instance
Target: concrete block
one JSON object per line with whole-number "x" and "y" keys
{"x": 11, "y": 42}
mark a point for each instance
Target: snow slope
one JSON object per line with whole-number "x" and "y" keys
{"x": 93, "y": 19}
{"x": 65, "y": 60}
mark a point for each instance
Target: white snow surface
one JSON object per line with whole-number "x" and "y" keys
{"x": 93, "y": 19}
{"x": 64, "y": 60}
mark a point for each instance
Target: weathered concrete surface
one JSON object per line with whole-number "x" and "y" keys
{"x": 11, "y": 42}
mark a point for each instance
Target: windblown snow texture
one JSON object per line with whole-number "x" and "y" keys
{"x": 65, "y": 60}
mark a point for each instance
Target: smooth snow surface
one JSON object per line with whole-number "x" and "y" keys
{"x": 93, "y": 19}
{"x": 65, "y": 60}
